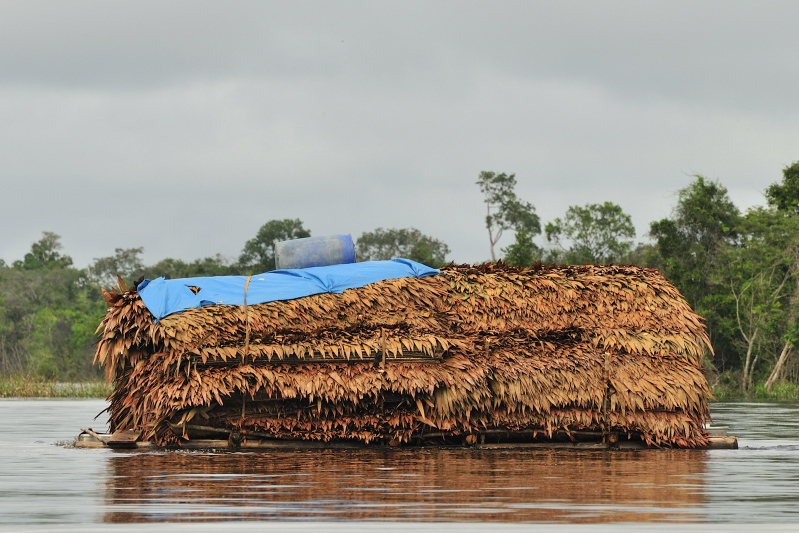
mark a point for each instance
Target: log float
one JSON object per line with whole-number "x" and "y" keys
{"x": 512, "y": 440}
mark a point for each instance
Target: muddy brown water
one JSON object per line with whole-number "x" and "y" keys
{"x": 44, "y": 484}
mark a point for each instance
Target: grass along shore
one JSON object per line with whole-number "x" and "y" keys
{"x": 781, "y": 392}
{"x": 31, "y": 388}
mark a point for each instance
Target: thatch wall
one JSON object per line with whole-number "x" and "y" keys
{"x": 474, "y": 350}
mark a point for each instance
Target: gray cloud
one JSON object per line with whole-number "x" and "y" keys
{"x": 182, "y": 127}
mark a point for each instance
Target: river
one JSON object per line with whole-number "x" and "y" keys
{"x": 46, "y": 485}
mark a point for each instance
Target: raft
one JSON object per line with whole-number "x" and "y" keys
{"x": 90, "y": 439}
{"x": 578, "y": 357}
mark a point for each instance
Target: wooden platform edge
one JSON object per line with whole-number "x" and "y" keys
{"x": 721, "y": 442}
{"x": 95, "y": 440}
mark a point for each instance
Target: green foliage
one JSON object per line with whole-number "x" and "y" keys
{"x": 410, "y": 243}
{"x": 598, "y": 233}
{"x": 740, "y": 271}
{"x": 47, "y": 322}
{"x": 126, "y": 263}
{"x": 45, "y": 254}
{"x": 703, "y": 222}
{"x": 504, "y": 210}
{"x": 688, "y": 248}
{"x": 785, "y": 196}
{"x": 758, "y": 273}
{"x": 207, "y": 266}
{"x": 49, "y": 311}
{"x": 20, "y": 387}
{"x": 259, "y": 253}
{"x": 728, "y": 387}
{"x": 780, "y": 392}
{"x": 523, "y": 252}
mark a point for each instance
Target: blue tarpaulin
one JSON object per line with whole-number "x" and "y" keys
{"x": 164, "y": 297}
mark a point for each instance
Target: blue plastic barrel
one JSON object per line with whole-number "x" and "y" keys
{"x": 315, "y": 251}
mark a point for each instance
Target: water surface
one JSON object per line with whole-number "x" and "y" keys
{"x": 44, "y": 484}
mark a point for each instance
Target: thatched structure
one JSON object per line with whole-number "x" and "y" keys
{"x": 484, "y": 351}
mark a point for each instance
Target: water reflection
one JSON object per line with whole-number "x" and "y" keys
{"x": 43, "y": 484}
{"x": 410, "y": 484}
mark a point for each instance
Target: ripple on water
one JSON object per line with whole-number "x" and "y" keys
{"x": 41, "y": 483}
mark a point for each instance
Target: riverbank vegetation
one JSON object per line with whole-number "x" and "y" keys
{"x": 738, "y": 269}
{"x": 49, "y": 309}
{"x": 33, "y": 387}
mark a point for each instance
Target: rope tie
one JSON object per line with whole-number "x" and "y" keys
{"x": 246, "y": 351}
{"x": 246, "y": 324}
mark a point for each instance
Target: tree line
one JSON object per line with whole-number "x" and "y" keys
{"x": 737, "y": 269}
{"x": 49, "y": 309}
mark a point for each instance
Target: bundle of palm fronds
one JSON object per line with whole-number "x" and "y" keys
{"x": 539, "y": 353}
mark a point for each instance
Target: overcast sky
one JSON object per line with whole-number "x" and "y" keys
{"x": 182, "y": 127}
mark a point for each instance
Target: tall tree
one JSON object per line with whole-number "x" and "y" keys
{"x": 504, "y": 210}
{"x": 126, "y": 262}
{"x": 47, "y": 318}
{"x": 759, "y": 273}
{"x": 789, "y": 340}
{"x": 703, "y": 222}
{"x": 688, "y": 249}
{"x": 259, "y": 253}
{"x": 45, "y": 253}
{"x": 524, "y": 251}
{"x": 597, "y": 233}
{"x": 785, "y": 196}
{"x": 410, "y": 243}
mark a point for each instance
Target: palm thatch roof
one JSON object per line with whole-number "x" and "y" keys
{"x": 539, "y": 352}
